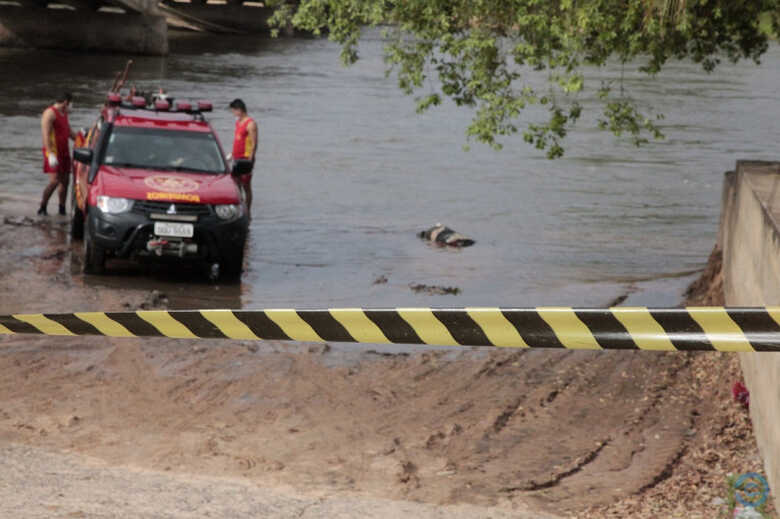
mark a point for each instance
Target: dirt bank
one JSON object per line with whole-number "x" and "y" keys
{"x": 720, "y": 444}
{"x": 576, "y": 433}
{"x": 708, "y": 289}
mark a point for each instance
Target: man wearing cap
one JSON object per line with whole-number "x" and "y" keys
{"x": 55, "y": 131}
{"x": 244, "y": 143}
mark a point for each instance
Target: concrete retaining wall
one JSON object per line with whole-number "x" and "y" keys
{"x": 83, "y": 30}
{"x": 750, "y": 237}
{"x": 232, "y": 16}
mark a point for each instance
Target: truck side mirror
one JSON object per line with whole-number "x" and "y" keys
{"x": 242, "y": 167}
{"x": 83, "y": 155}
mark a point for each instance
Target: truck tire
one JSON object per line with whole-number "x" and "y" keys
{"x": 232, "y": 265}
{"x": 94, "y": 255}
{"x": 76, "y": 218}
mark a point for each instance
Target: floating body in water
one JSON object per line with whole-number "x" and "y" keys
{"x": 443, "y": 235}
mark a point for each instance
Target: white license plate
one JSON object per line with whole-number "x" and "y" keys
{"x": 177, "y": 230}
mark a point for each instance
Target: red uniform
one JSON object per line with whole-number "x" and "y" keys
{"x": 58, "y": 144}
{"x": 244, "y": 146}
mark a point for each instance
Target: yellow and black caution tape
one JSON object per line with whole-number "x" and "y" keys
{"x": 667, "y": 329}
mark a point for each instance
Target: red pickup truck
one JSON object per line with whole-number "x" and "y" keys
{"x": 153, "y": 182}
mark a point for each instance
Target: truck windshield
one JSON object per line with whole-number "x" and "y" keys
{"x": 164, "y": 149}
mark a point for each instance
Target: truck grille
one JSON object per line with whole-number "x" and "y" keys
{"x": 148, "y": 207}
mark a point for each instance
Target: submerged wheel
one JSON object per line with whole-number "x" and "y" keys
{"x": 94, "y": 255}
{"x": 76, "y": 217}
{"x": 77, "y": 225}
{"x": 231, "y": 266}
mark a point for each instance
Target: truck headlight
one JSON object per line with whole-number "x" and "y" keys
{"x": 228, "y": 211}
{"x": 111, "y": 205}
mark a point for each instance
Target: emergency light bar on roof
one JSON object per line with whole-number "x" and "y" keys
{"x": 160, "y": 105}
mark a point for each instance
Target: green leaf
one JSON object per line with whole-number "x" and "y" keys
{"x": 479, "y": 52}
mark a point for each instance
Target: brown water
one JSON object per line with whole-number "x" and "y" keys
{"x": 348, "y": 173}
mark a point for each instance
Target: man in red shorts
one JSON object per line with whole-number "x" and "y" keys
{"x": 244, "y": 143}
{"x": 55, "y": 132}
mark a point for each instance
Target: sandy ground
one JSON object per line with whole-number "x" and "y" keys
{"x": 39, "y": 484}
{"x": 165, "y": 428}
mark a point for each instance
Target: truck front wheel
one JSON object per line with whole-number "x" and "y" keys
{"x": 232, "y": 265}
{"x": 76, "y": 218}
{"x": 94, "y": 255}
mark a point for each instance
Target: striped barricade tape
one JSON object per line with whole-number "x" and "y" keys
{"x": 667, "y": 329}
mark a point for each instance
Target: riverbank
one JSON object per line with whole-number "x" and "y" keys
{"x": 580, "y": 434}
{"x": 719, "y": 445}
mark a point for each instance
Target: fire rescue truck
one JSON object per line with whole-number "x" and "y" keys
{"x": 153, "y": 182}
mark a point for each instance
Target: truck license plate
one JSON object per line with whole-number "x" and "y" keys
{"x": 178, "y": 230}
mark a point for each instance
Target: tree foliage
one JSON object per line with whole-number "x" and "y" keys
{"x": 480, "y": 53}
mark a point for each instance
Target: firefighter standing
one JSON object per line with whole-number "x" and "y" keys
{"x": 55, "y": 132}
{"x": 244, "y": 143}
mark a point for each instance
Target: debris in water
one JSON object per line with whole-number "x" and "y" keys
{"x": 18, "y": 221}
{"x": 618, "y": 300}
{"x": 26, "y": 221}
{"x": 444, "y": 236}
{"x": 381, "y": 280}
{"x": 153, "y": 300}
{"x": 57, "y": 254}
{"x": 433, "y": 290}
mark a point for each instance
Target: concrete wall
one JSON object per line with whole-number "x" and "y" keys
{"x": 231, "y": 16}
{"x": 140, "y": 6}
{"x": 750, "y": 237}
{"x": 83, "y": 30}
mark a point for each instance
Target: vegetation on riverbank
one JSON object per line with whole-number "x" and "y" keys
{"x": 766, "y": 25}
{"x": 480, "y": 54}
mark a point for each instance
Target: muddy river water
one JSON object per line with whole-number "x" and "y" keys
{"x": 348, "y": 173}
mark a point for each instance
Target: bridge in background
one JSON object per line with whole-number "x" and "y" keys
{"x": 231, "y": 16}
{"x": 127, "y": 26}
